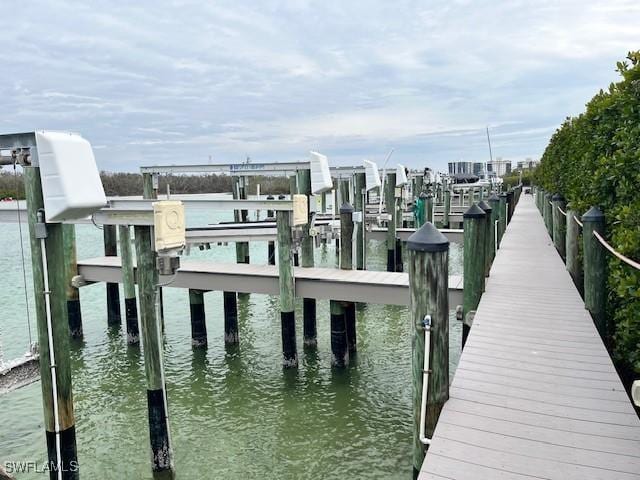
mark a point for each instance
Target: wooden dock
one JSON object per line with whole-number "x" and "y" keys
{"x": 366, "y": 286}
{"x": 535, "y": 394}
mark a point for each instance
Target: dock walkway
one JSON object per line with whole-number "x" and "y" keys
{"x": 535, "y": 394}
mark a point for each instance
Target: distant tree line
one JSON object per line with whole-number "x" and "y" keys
{"x": 127, "y": 184}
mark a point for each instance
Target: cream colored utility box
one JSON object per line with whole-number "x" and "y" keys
{"x": 300, "y": 210}
{"x": 169, "y": 225}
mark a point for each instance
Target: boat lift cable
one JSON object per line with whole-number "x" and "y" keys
{"x": 24, "y": 269}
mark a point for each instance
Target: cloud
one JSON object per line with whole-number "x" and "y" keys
{"x": 190, "y": 79}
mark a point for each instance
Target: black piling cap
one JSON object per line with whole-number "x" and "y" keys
{"x": 484, "y": 206}
{"x": 346, "y": 208}
{"x": 493, "y": 197}
{"x": 594, "y": 214}
{"x": 557, "y": 197}
{"x": 474, "y": 211}
{"x": 270, "y": 197}
{"x": 428, "y": 239}
{"x": 280, "y": 197}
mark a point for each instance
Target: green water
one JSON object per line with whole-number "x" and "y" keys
{"x": 234, "y": 412}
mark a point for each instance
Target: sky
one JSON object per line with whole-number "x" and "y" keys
{"x": 152, "y": 82}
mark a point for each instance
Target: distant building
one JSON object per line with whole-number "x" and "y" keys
{"x": 478, "y": 169}
{"x": 527, "y": 164}
{"x": 460, "y": 167}
{"x": 499, "y": 167}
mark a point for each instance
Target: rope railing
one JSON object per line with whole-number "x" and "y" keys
{"x": 562, "y": 211}
{"x": 577, "y": 221}
{"x": 615, "y": 253}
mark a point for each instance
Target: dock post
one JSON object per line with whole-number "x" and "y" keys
{"x": 447, "y": 208}
{"x": 110, "y": 236}
{"x": 502, "y": 217}
{"x": 293, "y": 190}
{"x": 59, "y": 323}
{"x": 230, "y": 306}
{"x": 339, "y": 342}
{"x": 271, "y": 245}
{"x": 559, "y": 225}
{"x": 129, "y": 285}
{"x": 147, "y": 276}
{"x": 390, "y": 207}
{"x": 198, "y": 318}
{"x": 548, "y": 214}
{"x": 428, "y": 208}
{"x": 428, "y": 285}
{"x": 359, "y": 205}
{"x": 346, "y": 263}
{"x": 488, "y": 236}
{"x": 287, "y": 290}
{"x": 309, "y": 329}
{"x": 73, "y": 294}
{"x": 511, "y": 205}
{"x": 494, "y": 203}
{"x": 595, "y": 270}
{"x": 572, "y": 249}
{"x": 150, "y": 184}
{"x": 240, "y": 193}
{"x": 419, "y": 184}
{"x": 474, "y": 230}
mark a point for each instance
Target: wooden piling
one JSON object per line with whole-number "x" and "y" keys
{"x": 559, "y": 225}
{"x": 150, "y": 191}
{"x": 502, "y": 217}
{"x": 390, "y": 207}
{"x": 230, "y": 305}
{"x": 548, "y": 214}
{"x": 129, "y": 285}
{"x": 595, "y": 270}
{"x": 61, "y": 371}
{"x": 309, "y": 329}
{"x": 474, "y": 265}
{"x": 110, "y": 235}
{"x": 428, "y": 283}
{"x": 572, "y": 250}
{"x": 198, "y": 318}
{"x": 346, "y": 263}
{"x": 287, "y": 290}
{"x": 271, "y": 245}
{"x": 494, "y": 203}
{"x": 488, "y": 235}
{"x": 510, "y": 205}
{"x": 428, "y": 207}
{"x": 73, "y": 294}
{"x": 147, "y": 276}
{"x": 447, "y": 208}
{"x": 339, "y": 341}
{"x": 240, "y": 193}
{"x": 360, "y": 231}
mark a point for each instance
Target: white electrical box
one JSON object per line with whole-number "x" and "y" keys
{"x": 401, "y": 176}
{"x": 320, "y": 175}
{"x": 372, "y": 175}
{"x": 169, "y": 225}
{"x": 71, "y": 185}
{"x": 300, "y": 210}
{"x": 357, "y": 217}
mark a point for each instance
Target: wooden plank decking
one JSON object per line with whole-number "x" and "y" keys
{"x": 366, "y": 286}
{"x": 535, "y": 394}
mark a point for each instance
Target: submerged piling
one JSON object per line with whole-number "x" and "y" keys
{"x": 198, "y": 318}
{"x": 129, "y": 286}
{"x": 309, "y": 329}
{"x": 74, "y": 313}
{"x": 147, "y": 275}
{"x": 287, "y": 290}
{"x": 230, "y": 305}
{"x": 429, "y": 284}
{"x": 110, "y": 236}
{"x": 346, "y": 263}
{"x": 52, "y": 316}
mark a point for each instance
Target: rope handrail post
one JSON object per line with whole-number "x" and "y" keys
{"x": 559, "y": 225}
{"x": 595, "y": 270}
{"x": 572, "y": 251}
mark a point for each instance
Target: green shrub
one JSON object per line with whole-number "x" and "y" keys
{"x": 594, "y": 159}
